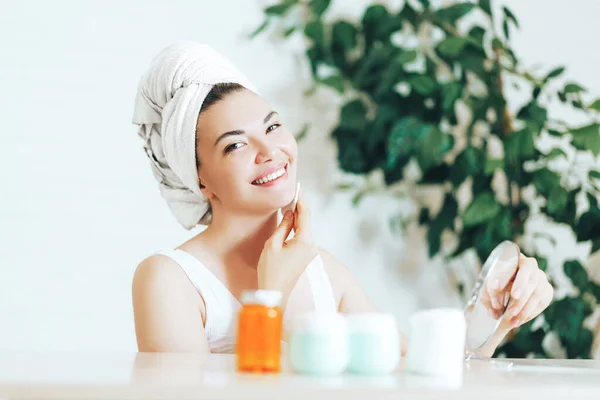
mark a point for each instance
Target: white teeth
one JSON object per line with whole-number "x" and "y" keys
{"x": 270, "y": 177}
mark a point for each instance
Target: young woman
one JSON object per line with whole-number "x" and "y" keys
{"x": 224, "y": 158}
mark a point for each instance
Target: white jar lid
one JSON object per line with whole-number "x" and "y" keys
{"x": 376, "y": 323}
{"x": 319, "y": 322}
{"x": 438, "y": 315}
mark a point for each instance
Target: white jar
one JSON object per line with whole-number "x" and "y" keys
{"x": 319, "y": 344}
{"x": 374, "y": 343}
{"x": 436, "y": 342}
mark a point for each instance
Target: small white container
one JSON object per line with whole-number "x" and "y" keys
{"x": 374, "y": 343}
{"x": 436, "y": 343}
{"x": 319, "y": 344}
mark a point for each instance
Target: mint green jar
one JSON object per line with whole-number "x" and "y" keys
{"x": 319, "y": 344}
{"x": 374, "y": 344}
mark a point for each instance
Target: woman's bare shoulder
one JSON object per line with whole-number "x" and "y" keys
{"x": 159, "y": 274}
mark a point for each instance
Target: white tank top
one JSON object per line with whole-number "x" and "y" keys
{"x": 222, "y": 307}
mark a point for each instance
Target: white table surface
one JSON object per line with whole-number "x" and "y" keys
{"x": 180, "y": 376}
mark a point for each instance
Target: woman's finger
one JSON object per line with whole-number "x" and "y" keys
{"x": 302, "y": 220}
{"x": 282, "y": 232}
{"x": 523, "y": 288}
{"x": 530, "y": 311}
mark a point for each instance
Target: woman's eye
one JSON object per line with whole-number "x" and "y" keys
{"x": 273, "y": 127}
{"x": 233, "y": 146}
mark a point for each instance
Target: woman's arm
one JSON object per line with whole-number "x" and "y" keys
{"x": 167, "y": 309}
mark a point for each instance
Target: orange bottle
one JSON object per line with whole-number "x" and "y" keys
{"x": 259, "y": 334}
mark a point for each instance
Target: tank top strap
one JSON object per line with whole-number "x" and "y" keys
{"x": 218, "y": 300}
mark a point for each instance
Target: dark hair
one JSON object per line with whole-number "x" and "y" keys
{"x": 216, "y": 94}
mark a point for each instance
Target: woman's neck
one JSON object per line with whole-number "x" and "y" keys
{"x": 243, "y": 237}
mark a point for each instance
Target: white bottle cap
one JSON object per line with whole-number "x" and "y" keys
{"x": 269, "y": 298}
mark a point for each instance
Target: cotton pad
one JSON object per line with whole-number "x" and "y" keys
{"x": 292, "y": 205}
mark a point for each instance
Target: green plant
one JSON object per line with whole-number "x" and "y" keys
{"x": 440, "y": 107}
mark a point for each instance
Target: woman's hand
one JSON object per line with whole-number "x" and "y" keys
{"x": 282, "y": 262}
{"x": 530, "y": 294}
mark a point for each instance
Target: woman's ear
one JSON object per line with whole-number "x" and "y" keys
{"x": 205, "y": 191}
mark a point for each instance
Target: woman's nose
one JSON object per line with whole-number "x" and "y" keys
{"x": 266, "y": 152}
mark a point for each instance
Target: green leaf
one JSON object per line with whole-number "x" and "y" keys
{"x": 505, "y": 29}
{"x": 554, "y": 73}
{"x": 592, "y": 200}
{"x": 278, "y": 9}
{"x": 519, "y": 146}
{"x": 576, "y": 273}
{"x": 593, "y": 174}
{"x": 588, "y": 226}
{"x": 433, "y": 144}
{"x": 424, "y": 216}
{"x": 423, "y": 84}
{"x": 443, "y": 220}
{"x": 595, "y": 105}
{"x": 556, "y": 152}
{"x": 583, "y": 346}
{"x": 344, "y": 186}
{"x": 303, "y": 132}
{"x": 477, "y": 33}
{"x": 542, "y": 263}
{"x": 353, "y": 116}
{"x": 554, "y": 132}
{"x": 319, "y": 6}
{"x": 587, "y": 138}
{"x": 344, "y": 34}
{"x": 315, "y": 31}
{"x": 261, "y": 28}
{"x": 452, "y": 46}
{"x": 351, "y": 154}
{"x": 594, "y": 288}
{"x": 573, "y": 88}
{"x": 289, "y": 31}
{"x": 565, "y": 215}
{"x": 436, "y": 175}
{"x": 545, "y": 180}
{"x": 535, "y": 115}
{"x": 565, "y": 317}
{"x": 486, "y": 7}
{"x": 406, "y": 57}
{"x": 491, "y": 165}
{"x": 454, "y": 12}
{"x": 483, "y": 208}
{"x": 335, "y": 81}
{"x": 557, "y": 199}
{"x": 469, "y": 162}
{"x": 451, "y": 92}
{"x": 404, "y": 137}
{"x": 595, "y": 245}
{"x": 371, "y": 21}
{"x": 510, "y": 16}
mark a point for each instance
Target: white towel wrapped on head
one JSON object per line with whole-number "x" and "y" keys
{"x": 167, "y": 105}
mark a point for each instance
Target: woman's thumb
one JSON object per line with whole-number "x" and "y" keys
{"x": 284, "y": 229}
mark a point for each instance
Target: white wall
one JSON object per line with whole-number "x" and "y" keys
{"x": 80, "y": 208}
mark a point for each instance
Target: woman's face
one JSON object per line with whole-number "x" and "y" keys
{"x": 247, "y": 156}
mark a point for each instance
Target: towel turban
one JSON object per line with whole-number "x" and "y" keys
{"x": 167, "y": 105}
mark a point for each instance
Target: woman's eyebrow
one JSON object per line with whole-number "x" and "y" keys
{"x": 269, "y": 116}
{"x": 230, "y": 133}
{"x": 240, "y": 131}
